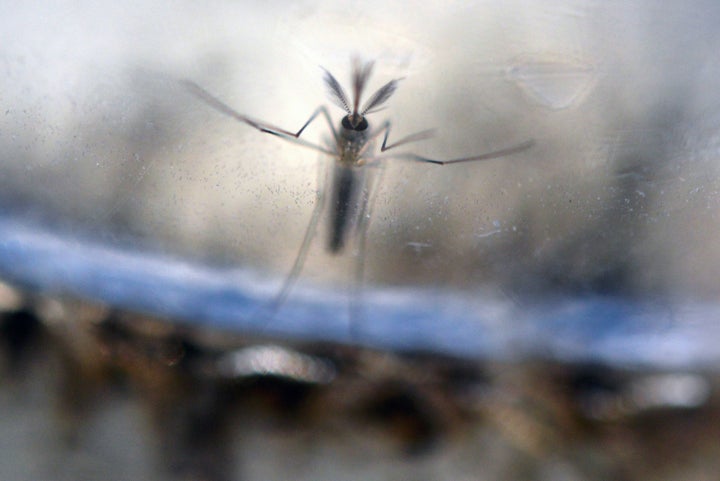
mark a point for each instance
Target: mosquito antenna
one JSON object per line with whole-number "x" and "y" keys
{"x": 337, "y": 94}
{"x": 379, "y": 97}
{"x": 361, "y": 74}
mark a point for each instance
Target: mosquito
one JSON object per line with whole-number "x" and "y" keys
{"x": 351, "y": 148}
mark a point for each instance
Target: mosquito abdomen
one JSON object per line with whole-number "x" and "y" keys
{"x": 345, "y": 185}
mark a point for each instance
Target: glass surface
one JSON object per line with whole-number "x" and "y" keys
{"x": 119, "y": 185}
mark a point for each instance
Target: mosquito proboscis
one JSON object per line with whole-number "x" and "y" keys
{"x": 351, "y": 148}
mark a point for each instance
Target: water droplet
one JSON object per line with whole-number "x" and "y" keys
{"x": 555, "y": 84}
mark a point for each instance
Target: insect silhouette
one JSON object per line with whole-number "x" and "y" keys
{"x": 352, "y": 149}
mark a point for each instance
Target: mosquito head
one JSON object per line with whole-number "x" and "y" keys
{"x": 351, "y": 123}
{"x": 355, "y": 119}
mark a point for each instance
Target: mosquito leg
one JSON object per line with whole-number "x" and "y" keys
{"x": 270, "y": 310}
{"x": 425, "y": 134}
{"x": 515, "y": 149}
{"x": 365, "y": 215}
{"x": 293, "y": 137}
{"x": 269, "y": 129}
{"x": 385, "y": 127}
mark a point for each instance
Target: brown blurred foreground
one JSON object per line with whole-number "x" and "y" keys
{"x": 91, "y": 393}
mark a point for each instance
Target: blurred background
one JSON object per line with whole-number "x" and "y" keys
{"x": 564, "y": 293}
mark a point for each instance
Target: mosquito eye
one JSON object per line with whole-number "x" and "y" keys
{"x": 363, "y": 125}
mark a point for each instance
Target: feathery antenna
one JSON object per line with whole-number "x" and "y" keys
{"x": 379, "y": 97}
{"x": 337, "y": 94}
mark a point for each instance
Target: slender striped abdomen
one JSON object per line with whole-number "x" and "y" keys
{"x": 346, "y": 185}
